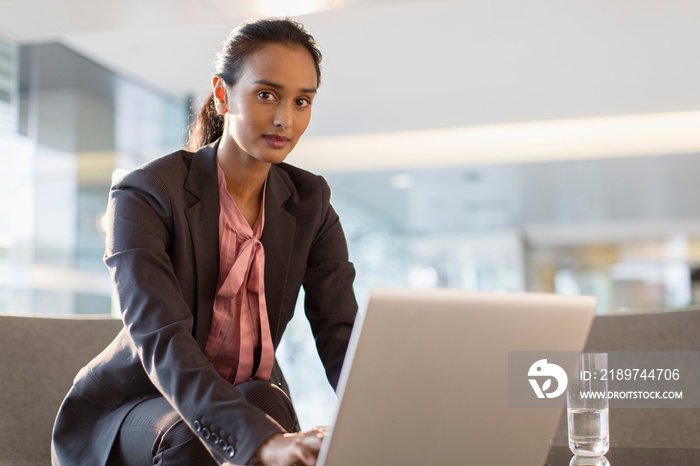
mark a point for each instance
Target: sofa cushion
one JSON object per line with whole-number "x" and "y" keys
{"x": 40, "y": 358}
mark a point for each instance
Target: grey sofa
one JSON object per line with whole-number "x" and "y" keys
{"x": 40, "y": 357}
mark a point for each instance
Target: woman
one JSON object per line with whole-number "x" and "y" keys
{"x": 207, "y": 251}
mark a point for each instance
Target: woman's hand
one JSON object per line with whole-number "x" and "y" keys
{"x": 298, "y": 448}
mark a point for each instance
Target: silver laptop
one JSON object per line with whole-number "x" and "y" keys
{"x": 425, "y": 381}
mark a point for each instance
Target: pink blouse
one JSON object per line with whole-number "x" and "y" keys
{"x": 239, "y": 343}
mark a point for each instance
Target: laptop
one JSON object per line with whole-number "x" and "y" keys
{"x": 425, "y": 380}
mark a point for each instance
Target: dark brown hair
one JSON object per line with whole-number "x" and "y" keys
{"x": 229, "y": 62}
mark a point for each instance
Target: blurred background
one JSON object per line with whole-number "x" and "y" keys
{"x": 486, "y": 145}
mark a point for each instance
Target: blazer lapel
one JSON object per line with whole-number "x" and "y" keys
{"x": 203, "y": 221}
{"x": 278, "y": 240}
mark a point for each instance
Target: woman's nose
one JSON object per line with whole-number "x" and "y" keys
{"x": 284, "y": 117}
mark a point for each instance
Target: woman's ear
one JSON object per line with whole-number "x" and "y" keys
{"x": 220, "y": 95}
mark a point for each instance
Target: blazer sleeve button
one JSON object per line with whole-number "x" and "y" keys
{"x": 230, "y": 451}
{"x": 206, "y": 433}
{"x": 197, "y": 426}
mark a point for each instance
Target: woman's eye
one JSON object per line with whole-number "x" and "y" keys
{"x": 266, "y": 95}
{"x": 304, "y": 102}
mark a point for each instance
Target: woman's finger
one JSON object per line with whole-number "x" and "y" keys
{"x": 306, "y": 446}
{"x": 303, "y": 453}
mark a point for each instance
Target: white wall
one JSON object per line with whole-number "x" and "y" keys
{"x": 445, "y": 64}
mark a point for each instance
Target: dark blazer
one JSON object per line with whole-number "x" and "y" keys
{"x": 162, "y": 250}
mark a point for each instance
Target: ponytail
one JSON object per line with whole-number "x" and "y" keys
{"x": 207, "y": 127}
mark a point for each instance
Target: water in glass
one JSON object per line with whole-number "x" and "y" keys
{"x": 588, "y": 432}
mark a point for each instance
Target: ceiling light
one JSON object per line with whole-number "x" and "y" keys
{"x": 533, "y": 141}
{"x": 292, "y": 7}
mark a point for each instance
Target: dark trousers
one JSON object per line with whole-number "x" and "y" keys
{"x": 154, "y": 434}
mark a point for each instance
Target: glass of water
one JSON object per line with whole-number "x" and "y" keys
{"x": 587, "y": 406}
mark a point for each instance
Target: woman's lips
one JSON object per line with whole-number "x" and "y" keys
{"x": 275, "y": 141}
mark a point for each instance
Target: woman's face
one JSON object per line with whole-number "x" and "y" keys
{"x": 269, "y": 108}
